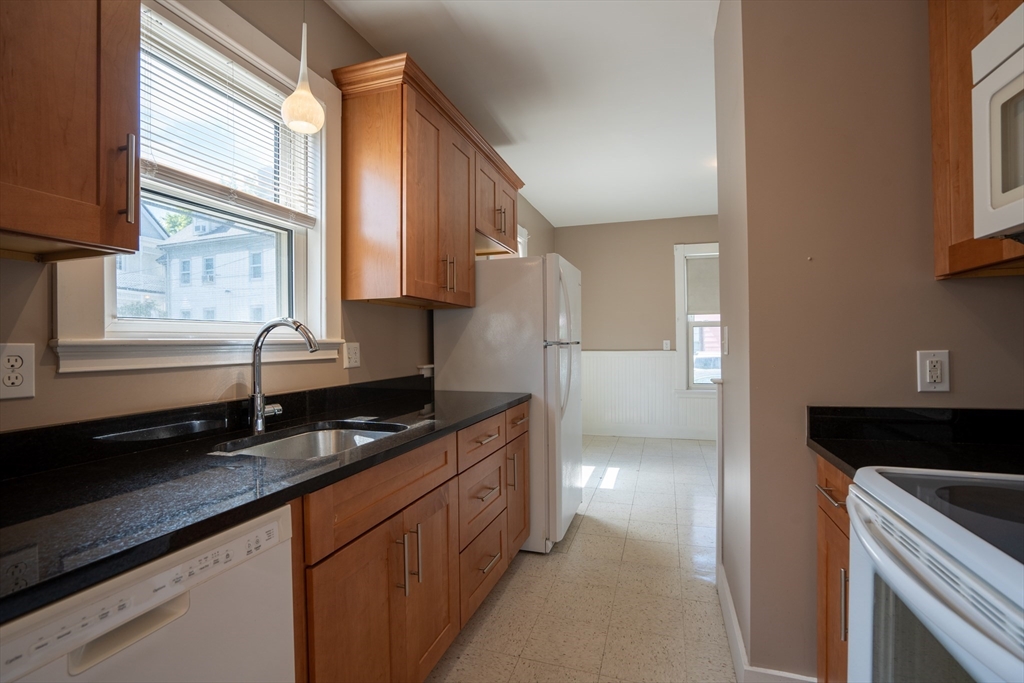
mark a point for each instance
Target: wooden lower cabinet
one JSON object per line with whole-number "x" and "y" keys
{"x": 517, "y": 455}
{"x": 386, "y": 606}
{"x": 833, "y": 586}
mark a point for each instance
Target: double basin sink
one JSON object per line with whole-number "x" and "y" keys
{"x": 310, "y": 442}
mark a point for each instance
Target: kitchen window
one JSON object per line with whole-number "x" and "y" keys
{"x": 228, "y": 191}
{"x": 698, "y": 316}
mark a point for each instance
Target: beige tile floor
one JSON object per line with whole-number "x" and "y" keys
{"x": 628, "y": 595}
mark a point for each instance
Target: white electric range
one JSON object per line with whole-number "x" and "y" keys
{"x": 936, "y": 576}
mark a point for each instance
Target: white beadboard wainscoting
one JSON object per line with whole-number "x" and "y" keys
{"x": 633, "y": 393}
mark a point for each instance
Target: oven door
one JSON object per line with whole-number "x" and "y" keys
{"x": 911, "y": 612}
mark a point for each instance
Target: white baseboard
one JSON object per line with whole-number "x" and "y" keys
{"x": 745, "y": 673}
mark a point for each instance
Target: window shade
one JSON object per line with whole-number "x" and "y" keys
{"x": 210, "y": 126}
{"x": 702, "y": 285}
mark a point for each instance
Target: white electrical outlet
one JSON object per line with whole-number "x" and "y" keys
{"x": 19, "y": 569}
{"x": 17, "y": 371}
{"x": 666, "y": 345}
{"x": 932, "y": 371}
{"x": 351, "y": 357}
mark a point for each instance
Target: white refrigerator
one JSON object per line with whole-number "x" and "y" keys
{"x": 524, "y": 336}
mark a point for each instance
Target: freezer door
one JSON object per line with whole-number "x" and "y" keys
{"x": 562, "y": 297}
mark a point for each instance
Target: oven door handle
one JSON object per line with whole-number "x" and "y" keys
{"x": 957, "y": 622}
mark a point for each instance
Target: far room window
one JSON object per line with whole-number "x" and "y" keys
{"x": 698, "y": 315}
{"x": 224, "y": 183}
{"x": 256, "y": 314}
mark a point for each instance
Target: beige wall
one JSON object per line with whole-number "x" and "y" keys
{"x": 629, "y": 278}
{"x": 542, "y": 233}
{"x": 735, "y": 302}
{"x": 393, "y": 341}
{"x": 841, "y": 291}
{"x": 330, "y": 41}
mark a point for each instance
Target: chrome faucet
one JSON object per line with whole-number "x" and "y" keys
{"x": 258, "y": 410}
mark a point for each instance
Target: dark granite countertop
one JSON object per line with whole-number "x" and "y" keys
{"x": 91, "y": 500}
{"x": 974, "y": 440}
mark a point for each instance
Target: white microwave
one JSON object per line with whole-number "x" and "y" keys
{"x": 998, "y": 126}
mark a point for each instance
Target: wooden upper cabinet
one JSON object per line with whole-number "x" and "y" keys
{"x": 495, "y": 209}
{"x": 69, "y": 83}
{"x": 409, "y": 188}
{"x": 955, "y": 28}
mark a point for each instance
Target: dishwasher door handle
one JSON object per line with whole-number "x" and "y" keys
{"x": 128, "y": 633}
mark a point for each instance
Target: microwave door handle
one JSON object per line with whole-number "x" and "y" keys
{"x": 928, "y": 600}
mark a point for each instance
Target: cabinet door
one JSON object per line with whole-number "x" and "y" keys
{"x": 70, "y": 89}
{"x": 833, "y": 603}
{"x": 424, "y": 267}
{"x": 455, "y": 209}
{"x": 431, "y": 610}
{"x": 507, "y": 201}
{"x": 488, "y": 199}
{"x": 518, "y": 461}
{"x": 354, "y": 602}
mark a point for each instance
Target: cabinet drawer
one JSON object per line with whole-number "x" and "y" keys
{"x": 837, "y": 485}
{"x": 341, "y": 512}
{"x": 517, "y": 421}
{"x": 482, "y": 495}
{"x": 481, "y": 564}
{"x": 480, "y": 440}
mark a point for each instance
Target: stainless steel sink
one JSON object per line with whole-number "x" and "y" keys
{"x": 309, "y": 442}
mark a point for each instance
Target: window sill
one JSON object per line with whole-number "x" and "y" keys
{"x": 103, "y": 355}
{"x": 696, "y": 393}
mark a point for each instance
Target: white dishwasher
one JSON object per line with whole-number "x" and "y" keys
{"x": 219, "y": 610}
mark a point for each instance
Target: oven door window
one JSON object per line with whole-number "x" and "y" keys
{"x": 904, "y": 649}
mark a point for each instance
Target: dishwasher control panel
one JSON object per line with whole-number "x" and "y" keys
{"x": 72, "y": 628}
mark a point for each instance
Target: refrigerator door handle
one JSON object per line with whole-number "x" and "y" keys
{"x": 560, "y": 343}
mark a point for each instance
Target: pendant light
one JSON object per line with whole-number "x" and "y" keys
{"x": 300, "y": 111}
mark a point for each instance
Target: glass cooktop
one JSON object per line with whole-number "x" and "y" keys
{"x": 991, "y": 508}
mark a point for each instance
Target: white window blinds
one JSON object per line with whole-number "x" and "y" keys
{"x": 702, "y": 285}
{"x": 211, "y": 127}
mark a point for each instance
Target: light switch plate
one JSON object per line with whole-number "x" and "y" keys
{"x": 17, "y": 371}
{"x": 666, "y": 345}
{"x": 932, "y": 371}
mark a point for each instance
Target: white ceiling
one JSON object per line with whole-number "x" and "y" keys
{"x": 605, "y": 108}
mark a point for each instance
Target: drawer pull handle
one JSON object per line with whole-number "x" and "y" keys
{"x": 520, "y": 421}
{"x": 488, "y": 439}
{"x": 129, "y": 211}
{"x": 405, "y": 562}
{"x": 828, "y": 496}
{"x": 490, "y": 565}
{"x": 419, "y": 553}
{"x": 488, "y": 494}
{"x": 515, "y": 472}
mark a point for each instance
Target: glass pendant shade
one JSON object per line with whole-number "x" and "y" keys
{"x": 301, "y": 112}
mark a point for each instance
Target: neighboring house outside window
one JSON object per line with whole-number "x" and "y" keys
{"x": 186, "y": 314}
{"x": 256, "y": 265}
{"x": 208, "y": 270}
{"x": 256, "y": 314}
{"x": 185, "y": 270}
{"x": 209, "y": 314}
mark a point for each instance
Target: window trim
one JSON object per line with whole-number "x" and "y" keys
{"x": 684, "y": 386}
{"x": 88, "y": 336}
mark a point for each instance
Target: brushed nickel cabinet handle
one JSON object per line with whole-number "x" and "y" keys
{"x": 405, "y": 561}
{"x": 490, "y": 565}
{"x": 455, "y": 273}
{"x": 419, "y": 553}
{"x": 515, "y": 471}
{"x": 129, "y": 210}
{"x": 488, "y": 439}
{"x": 487, "y": 495}
{"x": 445, "y": 260}
{"x": 828, "y": 495}
{"x": 501, "y": 218}
{"x": 842, "y": 605}
{"x": 520, "y": 421}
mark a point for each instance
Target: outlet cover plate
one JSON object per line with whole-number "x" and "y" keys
{"x": 17, "y": 371}
{"x": 923, "y": 357}
{"x": 350, "y": 358}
